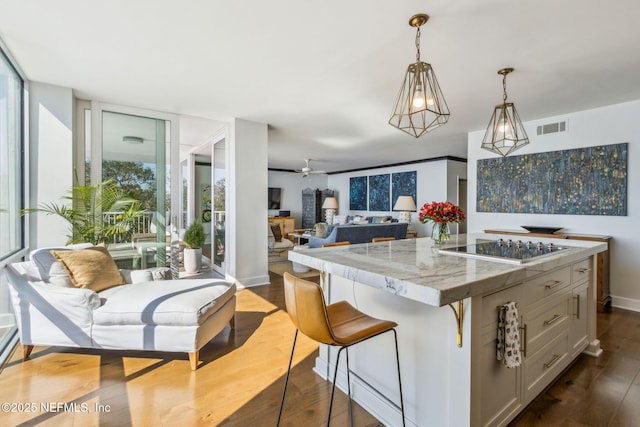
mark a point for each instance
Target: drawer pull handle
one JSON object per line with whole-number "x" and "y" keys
{"x": 584, "y": 270}
{"x": 523, "y": 348}
{"x": 553, "y": 320}
{"x": 553, "y": 284}
{"x": 577, "y": 297}
{"x": 552, "y": 362}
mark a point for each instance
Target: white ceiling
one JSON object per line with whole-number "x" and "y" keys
{"x": 324, "y": 75}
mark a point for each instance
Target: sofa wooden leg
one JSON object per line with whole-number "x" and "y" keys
{"x": 26, "y": 351}
{"x": 193, "y": 360}
{"x": 232, "y": 322}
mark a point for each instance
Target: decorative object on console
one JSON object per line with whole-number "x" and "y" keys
{"x": 441, "y": 213}
{"x": 420, "y": 106}
{"x": 543, "y": 230}
{"x": 330, "y": 205}
{"x": 406, "y": 205}
{"x": 505, "y": 133}
{"x": 601, "y": 172}
{"x": 379, "y": 194}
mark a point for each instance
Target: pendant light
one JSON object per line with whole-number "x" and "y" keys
{"x": 505, "y": 133}
{"x": 420, "y": 106}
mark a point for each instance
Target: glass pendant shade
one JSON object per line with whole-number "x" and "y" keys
{"x": 505, "y": 132}
{"x": 420, "y": 106}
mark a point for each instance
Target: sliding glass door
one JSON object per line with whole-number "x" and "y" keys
{"x": 133, "y": 148}
{"x": 219, "y": 192}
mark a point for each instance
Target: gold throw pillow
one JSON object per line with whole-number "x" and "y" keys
{"x": 91, "y": 268}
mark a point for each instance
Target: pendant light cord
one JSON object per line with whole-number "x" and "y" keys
{"x": 504, "y": 88}
{"x": 418, "y": 44}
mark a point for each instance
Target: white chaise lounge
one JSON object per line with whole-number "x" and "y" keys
{"x": 163, "y": 315}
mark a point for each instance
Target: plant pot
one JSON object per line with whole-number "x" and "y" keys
{"x": 192, "y": 260}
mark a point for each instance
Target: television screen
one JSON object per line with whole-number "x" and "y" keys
{"x": 274, "y": 197}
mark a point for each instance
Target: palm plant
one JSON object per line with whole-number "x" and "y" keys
{"x": 85, "y": 213}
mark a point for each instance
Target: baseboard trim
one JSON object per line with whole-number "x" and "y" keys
{"x": 625, "y": 303}
{"x": 248, "y": 282}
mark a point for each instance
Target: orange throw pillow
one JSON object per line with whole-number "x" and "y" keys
{"x": 91, "y": 268}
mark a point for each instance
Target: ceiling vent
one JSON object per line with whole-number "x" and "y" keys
{"x": 552, "y": 128}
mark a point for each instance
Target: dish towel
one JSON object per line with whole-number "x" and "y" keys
{"x": 508, "y": 347}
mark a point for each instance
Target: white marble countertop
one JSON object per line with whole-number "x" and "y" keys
{"x": 414, "y": 268}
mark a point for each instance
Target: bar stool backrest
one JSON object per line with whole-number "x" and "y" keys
{"x": 307, "y": 309}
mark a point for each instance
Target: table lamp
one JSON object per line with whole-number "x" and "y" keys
{"x": 406, "y": 205}
{"x": 330, "y": 205}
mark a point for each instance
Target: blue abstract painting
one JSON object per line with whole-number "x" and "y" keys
{"x": 584, "y": 181}
{"x": 403, "y": 184}
{"x": 379, "y": 192}
{"x": 358, "y": 193}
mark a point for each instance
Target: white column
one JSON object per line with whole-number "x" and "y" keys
{"x": 247, "y": 192}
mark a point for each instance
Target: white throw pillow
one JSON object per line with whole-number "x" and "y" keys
{"x": 46, "y": 264}
{"x": 339, "y": 219}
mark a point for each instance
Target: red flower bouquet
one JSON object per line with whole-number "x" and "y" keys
{"x": 441, "y": 213}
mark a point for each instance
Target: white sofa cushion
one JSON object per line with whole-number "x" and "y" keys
{"x": 171, "y": 302}
{"x": 51, "y": 270}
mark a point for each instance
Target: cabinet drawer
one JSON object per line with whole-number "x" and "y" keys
{"x": 581, "y": 270}
{"x": 491, "y": 304}
{"x": 546, "y": 323}
{"x": 547, "y": 284}
{"x": 544, "y": 366}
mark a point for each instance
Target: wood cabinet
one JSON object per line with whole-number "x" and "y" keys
{"x": 552, "y": 309}
{"x": 287, "y": 224}
{"x": 602, "y": 264}
{"x": 312, "y": 200}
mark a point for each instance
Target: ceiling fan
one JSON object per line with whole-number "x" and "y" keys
{"x": 308, "y": 170}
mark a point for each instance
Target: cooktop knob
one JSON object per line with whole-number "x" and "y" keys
{"x": 539, "y": 245}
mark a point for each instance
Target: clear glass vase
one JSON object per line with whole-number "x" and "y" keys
{"x": 440, "y": 232}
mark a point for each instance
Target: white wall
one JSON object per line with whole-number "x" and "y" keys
{"x": 247, "y": 203}
{"x": 433, "y": 183}
{"x": 602, "y": 126}
{"x": 51, "y": 159}
{"x": 292, "y": 185}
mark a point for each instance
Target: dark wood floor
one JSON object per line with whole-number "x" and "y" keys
{"x": 239, "y": 382}
{"x": 602, "y": 391}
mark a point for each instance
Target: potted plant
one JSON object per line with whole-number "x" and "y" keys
{"x": 193, "y": 239}
{"x": 84, "y": 213}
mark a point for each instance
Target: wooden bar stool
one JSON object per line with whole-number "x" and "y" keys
{"x": 382, "y": 239}
{"x": 338, "y": 324}
{"x": 326, "y": 245}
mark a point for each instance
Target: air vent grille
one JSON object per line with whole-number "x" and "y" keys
{"x": 552, "y": 128}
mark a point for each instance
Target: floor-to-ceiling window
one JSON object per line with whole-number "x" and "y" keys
{"x": 11, "y": 186}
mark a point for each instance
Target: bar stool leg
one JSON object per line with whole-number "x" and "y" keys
{"x": 395, "y": 336}
{"x": 349, "y": 388}
{"x": 333, "y": 388}
{"x": 286, "y": 380}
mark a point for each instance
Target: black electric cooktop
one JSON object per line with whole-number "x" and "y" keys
{"x": 516, "y": 252}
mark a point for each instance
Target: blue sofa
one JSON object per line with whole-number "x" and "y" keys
{"x": 353, "y": 233}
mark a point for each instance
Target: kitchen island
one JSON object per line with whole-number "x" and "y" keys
{"x": 446, "y": 307}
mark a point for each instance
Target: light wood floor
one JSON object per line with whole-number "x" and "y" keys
{"x": 239, "y": 382}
